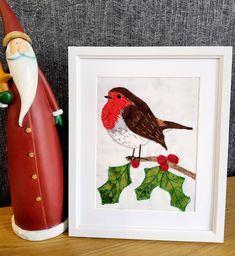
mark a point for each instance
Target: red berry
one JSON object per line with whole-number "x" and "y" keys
{"x": 164, "y": 167}
{"x": 161, "y": 159}
{"x": 135, "y": 163}
{"x": 173, "y": 159}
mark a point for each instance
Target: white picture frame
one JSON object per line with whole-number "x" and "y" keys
{"x": 212, "y": 65}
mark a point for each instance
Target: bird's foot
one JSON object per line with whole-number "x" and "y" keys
{"x": 130, "y": 158}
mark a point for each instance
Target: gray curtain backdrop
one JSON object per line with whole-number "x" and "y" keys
{"x": 54, "y": 25}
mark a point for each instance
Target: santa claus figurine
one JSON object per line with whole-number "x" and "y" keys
{"x": 34, "y": 154}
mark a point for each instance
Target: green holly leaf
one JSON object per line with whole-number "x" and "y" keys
{"x": 167, "y": 181}
{"x": 152, "y": 180}
{"x": 118, "y": 179}
{"x": 173, "y": 185}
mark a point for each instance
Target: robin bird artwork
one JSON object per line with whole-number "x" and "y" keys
{"x": 130, "y": 121}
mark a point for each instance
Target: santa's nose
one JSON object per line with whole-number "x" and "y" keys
{"x": 21, "y": 48}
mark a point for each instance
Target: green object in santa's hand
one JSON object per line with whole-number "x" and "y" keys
{"x": 59, "y": 120}
{"x": 6, "y": 97}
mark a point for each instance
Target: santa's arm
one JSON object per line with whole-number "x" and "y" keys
{"x": 56, "y": 111}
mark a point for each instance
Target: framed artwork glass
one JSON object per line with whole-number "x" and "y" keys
{"x": 148, "y": 142}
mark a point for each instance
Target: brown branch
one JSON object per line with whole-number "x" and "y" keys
{"x": 182, "y": 170}
{"x": 170, "y": 164}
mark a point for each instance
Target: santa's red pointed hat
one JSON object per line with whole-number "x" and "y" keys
{"x": 11, "y": 26}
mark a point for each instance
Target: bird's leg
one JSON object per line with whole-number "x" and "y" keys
{"x": 139, "y": 151}
{"x": 139, "y": 157}
{"x": 133, "y": 153}
{"x": 131, "y": 157}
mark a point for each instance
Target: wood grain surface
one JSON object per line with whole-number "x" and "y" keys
{"x": 10, "y": 244}
{"x": 54, "y": 25}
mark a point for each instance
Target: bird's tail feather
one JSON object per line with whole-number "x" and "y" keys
{"x": 172, "y": 125}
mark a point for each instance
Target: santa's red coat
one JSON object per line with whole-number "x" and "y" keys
{"x": 35, "y": 162}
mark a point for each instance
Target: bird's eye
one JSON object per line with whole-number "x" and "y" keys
{"x": 119, "y": 96}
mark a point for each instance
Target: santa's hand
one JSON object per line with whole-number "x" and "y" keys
{"x": 6, "y": 98}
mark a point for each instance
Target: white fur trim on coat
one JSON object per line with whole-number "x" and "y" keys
{"x": 58, "y": 112}
{"x": 3, "y": 105}
{"x": 40, "y": 234}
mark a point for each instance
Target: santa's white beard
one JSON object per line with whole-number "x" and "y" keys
{"x": 24, "y": 71}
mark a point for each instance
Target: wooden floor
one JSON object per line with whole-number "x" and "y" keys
{"x": 10, "y": 244}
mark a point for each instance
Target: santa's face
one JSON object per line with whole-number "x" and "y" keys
{"x": 23, "y": 67}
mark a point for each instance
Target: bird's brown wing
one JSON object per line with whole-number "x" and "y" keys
{"x": 142, "y": 121}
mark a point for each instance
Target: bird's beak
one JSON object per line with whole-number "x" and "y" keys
{"x": 108, "y": 97}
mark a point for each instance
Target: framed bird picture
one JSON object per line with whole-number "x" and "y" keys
{"x": 148, "y": 142}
